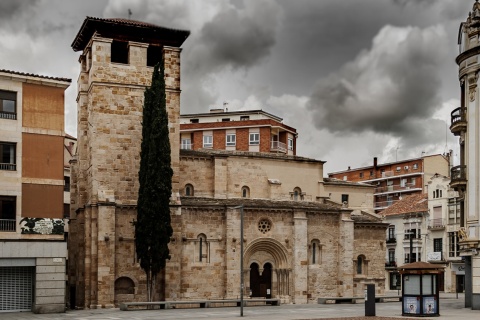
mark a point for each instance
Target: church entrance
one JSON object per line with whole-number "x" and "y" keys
{"x": 261, "y": 280}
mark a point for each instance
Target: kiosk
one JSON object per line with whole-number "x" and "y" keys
{"x": 420, "y": 295}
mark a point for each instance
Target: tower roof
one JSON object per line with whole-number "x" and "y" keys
{"x": 127, "y": 30}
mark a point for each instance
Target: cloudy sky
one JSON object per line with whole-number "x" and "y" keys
{"x": 358, "y": 79}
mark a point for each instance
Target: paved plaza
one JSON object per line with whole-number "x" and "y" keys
{"x": 450, "y": 308}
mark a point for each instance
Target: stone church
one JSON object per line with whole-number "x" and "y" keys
{"x": 298, "y": 244}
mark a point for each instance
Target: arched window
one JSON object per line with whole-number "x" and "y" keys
{"x": 360, "y": 261}
{"x": 296, "y": 194}
{"x": 315, "y": 252}
{"x": 245, "y": 192}
{"x": 188, "y": 190}
{"x": 202, "y": 248}
{"x": 124, "y": 285}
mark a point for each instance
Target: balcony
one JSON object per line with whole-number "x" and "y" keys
{"x": 8, "y": 115}
{"x": 433, "y": 257}
{"x": 409, "y": 187}
{"x": 7, "y": 225}
{"x": 380, "y": 205}
{"x": 458, "y": 176}
{"x": 436, "y": 224}
{"x": 459, "y": 121}
{"x": 278, "y": 146}
{"x": 390, "y": 265}
{"x": 392, "y": 240}
{"x": 8, "y": 166}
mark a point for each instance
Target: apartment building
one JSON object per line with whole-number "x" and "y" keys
{"x": 432, "y": 220}
{"x": 466, "y": 177}
{"x": 32, "y": 247}
{"x": 252, "y": 130}
{"x": 397, "y": 179}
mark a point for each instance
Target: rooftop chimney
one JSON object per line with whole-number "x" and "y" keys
{"x": 375, "y": 162}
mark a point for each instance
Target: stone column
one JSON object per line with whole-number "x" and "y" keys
{"x": 232, "y": 253}
{"x": 220, "y": 176}
{"x": 300, "y": 257}
{"x": 106, "y": 253}
{"x": 171, "y": 56}
{"x": 346, "y": 254}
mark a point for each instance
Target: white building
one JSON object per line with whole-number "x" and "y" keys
{"x": 466, "y": 176}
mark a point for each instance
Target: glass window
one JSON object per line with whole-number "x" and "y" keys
{"x": 290, "y": 143}
{"x": 207, "y": 141}
{"x": 8, "y": 109}
{"x": 7, "y": 156}
{"x": 230, "y": 139}
{"x": 359, "y": 265}
{"x": 254, "y": 139}
{"x": 7, "y": 213}
{"x": 186, "y": 144}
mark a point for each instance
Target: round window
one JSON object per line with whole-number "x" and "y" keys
{"x": 264, "y": 226}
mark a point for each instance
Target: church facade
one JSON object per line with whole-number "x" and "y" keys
{"x": 298, "y": 244}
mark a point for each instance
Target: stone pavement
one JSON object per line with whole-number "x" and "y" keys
{"x": 450, "y": 308}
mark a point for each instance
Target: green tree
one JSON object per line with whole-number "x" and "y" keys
{"x": 153, "y": 225}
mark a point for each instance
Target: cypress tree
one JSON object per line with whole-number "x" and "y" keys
{"x": 153, "y": 226}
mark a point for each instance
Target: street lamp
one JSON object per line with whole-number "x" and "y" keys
{"x": 241, "y": 258}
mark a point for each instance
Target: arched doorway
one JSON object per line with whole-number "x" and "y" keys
{"x": 261, "y": 280}
{"x": 267, "y": 269}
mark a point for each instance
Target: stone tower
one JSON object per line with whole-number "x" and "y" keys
{"x": 117, "y": 59}
{"x": 466, "y": 176}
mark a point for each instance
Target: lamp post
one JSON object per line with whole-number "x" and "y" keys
{"x": 241, "y": 258}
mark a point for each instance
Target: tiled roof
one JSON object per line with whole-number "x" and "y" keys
{"x": 131, "y": 30}
{"x": 335, "y": 181}
{"x": 228, "y": 153}
{"x": 34, "y": 75}
{"x": 260, "y": 203}
{"x": 409, "y": 204}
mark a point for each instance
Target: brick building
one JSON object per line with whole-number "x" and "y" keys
{"x": 299, "y": 245}
{"x": 252, "y": 130}
{"x": 32, "y": 247}
{"x": 397, "y": 179}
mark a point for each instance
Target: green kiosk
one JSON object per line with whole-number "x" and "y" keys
{"x": 420, "y": 294}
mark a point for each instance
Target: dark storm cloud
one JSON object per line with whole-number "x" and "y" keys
{"x": 9, "y": 8}
{"x": 385, "y": 88}
{"x": 236, "y": 38}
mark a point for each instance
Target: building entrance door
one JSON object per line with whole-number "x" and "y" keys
{"x": 261, "y": 280}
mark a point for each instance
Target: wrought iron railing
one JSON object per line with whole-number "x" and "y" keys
{"x": 8, "y": 166}
{"x": 8, "y": 115}
{"x": 458, "y": 173}
{"x": 7, "y": 225}
{"x": 458, "y": 115}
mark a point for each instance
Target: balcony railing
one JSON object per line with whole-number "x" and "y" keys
{"x": 8, "y": 115}
{"x": 437, "y": 224}
{"x": 395, "y": 188}
{"x": 458, "y": 175}
{"x": 391, "y": 240}
{"x": 390, "y": 264}
{"x": 8, "y": 166}
{"x": 278, "y": 146}
{"x": 459, "y": 121}
{"x": 384, "y": 204}
{"x": 7, "y": 225}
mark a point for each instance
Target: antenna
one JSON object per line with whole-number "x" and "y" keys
{"x": 129, "y": 13}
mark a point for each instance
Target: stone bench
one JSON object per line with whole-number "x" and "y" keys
{"x": 354, "y": 300}
{"x": 125, "y": 306}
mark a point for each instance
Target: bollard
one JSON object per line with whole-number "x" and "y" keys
{"x": 370, "y": 300}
